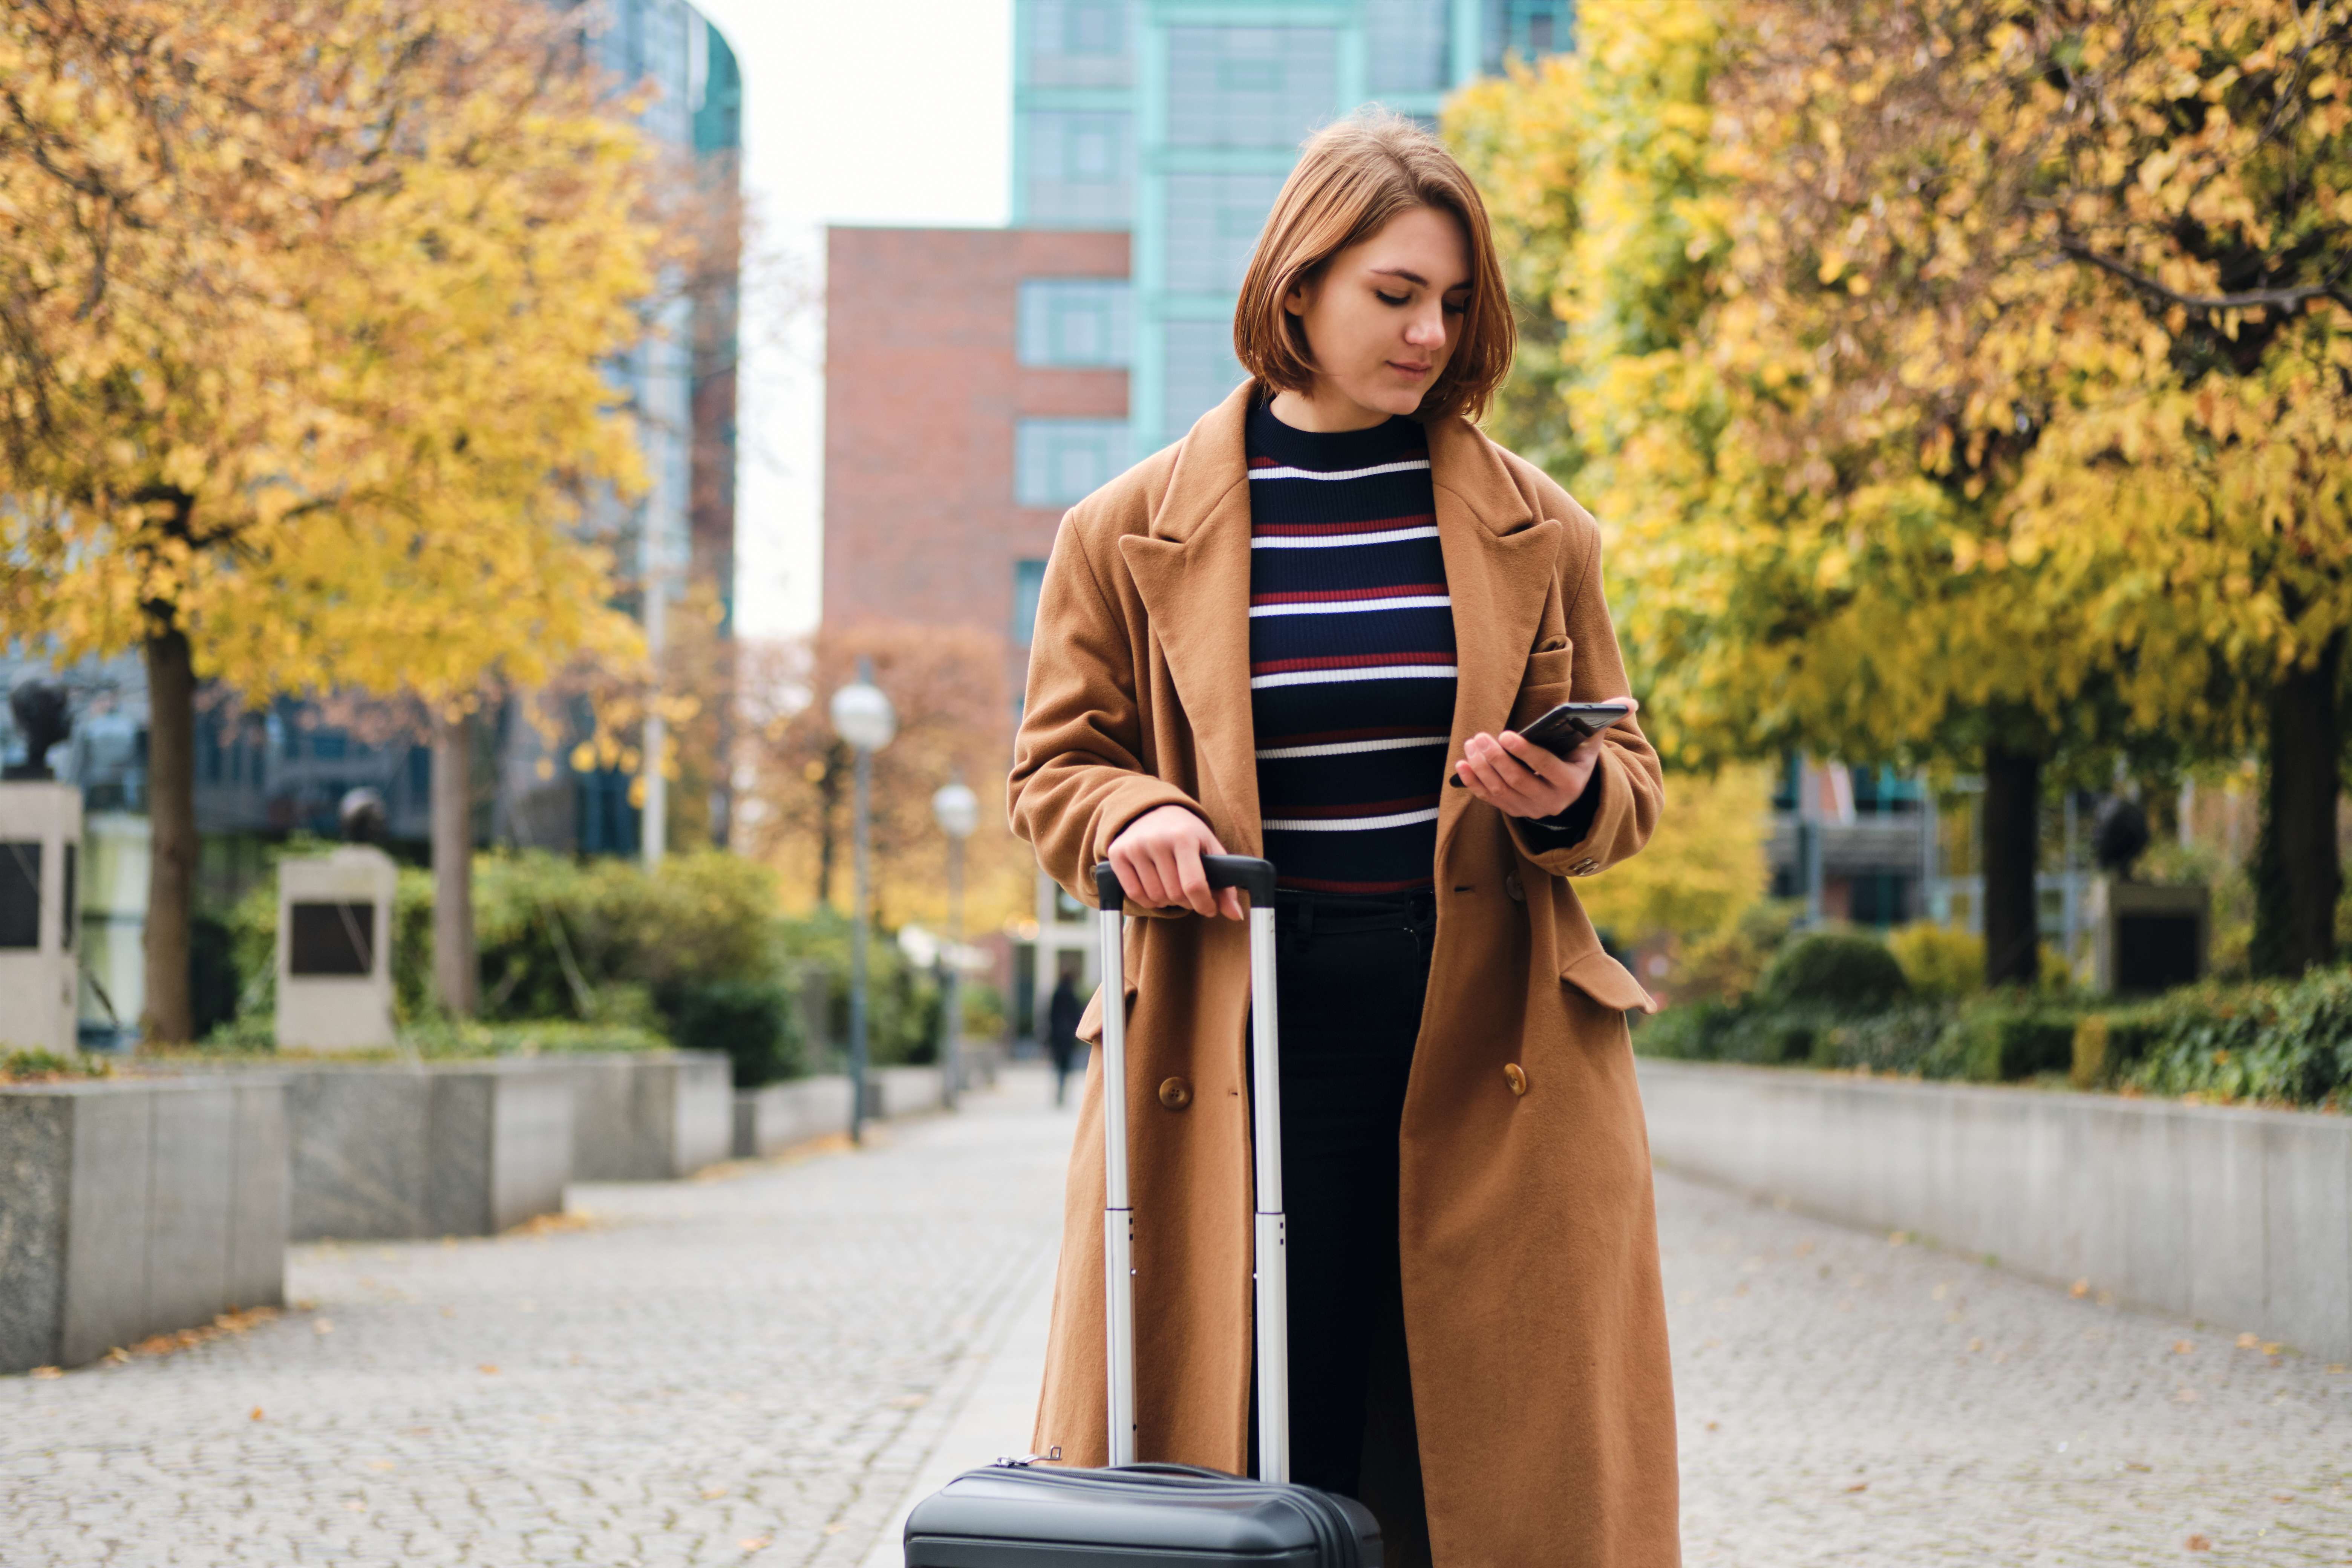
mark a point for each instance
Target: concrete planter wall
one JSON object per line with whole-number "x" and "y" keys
{"x": 130, "y": 1208}
{"x": 906, "y": 1091}
{"x": 2241, "y": 1219}
{"x": 771, "y": 1118}
{"x": 644, "y": 1117}
{"x": 392, "y": 1150}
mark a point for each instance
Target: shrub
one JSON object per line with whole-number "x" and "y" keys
{"x": 51, "y": 1067}
{"x": 1725, "y": 964}
{"x": 1845, "y": 971}
{"x": 753, "y": 1021}
{"x": 2002, "y": 1040}
{"x": 1916, "y": 1038}
{"x": 2277, "y": 1040}
{"x": 903, "y": 1005}
{"x": 1938, "y": 961}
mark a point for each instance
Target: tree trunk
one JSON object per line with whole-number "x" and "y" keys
{"x": 2011, "y": 831}
{"x": 168, "y": 1018}
{"x": 2297, "y": 872}
{"x": 455, "y": 966}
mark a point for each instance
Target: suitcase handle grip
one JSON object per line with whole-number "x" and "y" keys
{"x": 1250, "y": 874}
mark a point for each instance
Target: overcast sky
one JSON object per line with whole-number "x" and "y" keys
{"x": 851, "y": 114}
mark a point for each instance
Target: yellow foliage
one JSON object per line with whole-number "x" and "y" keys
{"x": 1703, "y": 867}
{"x": 307, "y": 307}
{"x": 1937, "y": 960}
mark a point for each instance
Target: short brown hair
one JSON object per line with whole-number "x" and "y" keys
{"x": 1352, "y": 178}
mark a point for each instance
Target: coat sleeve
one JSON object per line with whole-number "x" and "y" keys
{"x": 1631, "y": 786}
{"x": 1078, "y": 776}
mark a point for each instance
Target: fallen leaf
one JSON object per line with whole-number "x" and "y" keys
{"x": 909, "y": 1401}
{"x": 711, "y": 1493}
{"x": 47, "y": 1372}
{"x": 2183, "y": 1347}
{"x": 2272, "y": 1347}
{"x": 1859, "y": 1487}
{"x": 488, "y": 1369}
{"x": 2081, "y": 1287}
{"x": 356, "y": 1506}
{"x": 322, "y": 1325}
{"x": 753, "y": 1543}
{"x": 2281, "y": 1496}
{"x": 2336, "y": 1366}
{"x": 381, "y": 1465}
{"x": 1711, "y": 1425}
{"x": 836, "y": 1527}
{"x": 2185, "y": 1396}
{"x": 2247, "y": 1341}
{"x": 1976, "y": 1344}
{"x": 257, "y": 1413}
{"x": 1897, "y": 1237}
{"x": 2199, "y": 1544}
{"x": 2136, "y": 1465}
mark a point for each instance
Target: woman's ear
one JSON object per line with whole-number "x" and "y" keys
{"x": 1299, "y": 299}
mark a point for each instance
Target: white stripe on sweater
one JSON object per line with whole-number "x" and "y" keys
{"x": 1404, "y": 467}
{"x": 1342, "y": 748}
{"x": 1350, "y": 606}
{"x": 1347, "y": 824}
{"x": 1358, "y": 672}
{"x": 1339, "y": 541}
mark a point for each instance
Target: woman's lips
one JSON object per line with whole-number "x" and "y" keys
{"x": 1414, "y": 370}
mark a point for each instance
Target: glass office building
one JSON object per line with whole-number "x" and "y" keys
{"x": 1177, "y": 120}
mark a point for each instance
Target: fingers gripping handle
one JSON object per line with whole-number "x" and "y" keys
{"x": 1254, "y": 876}
{"x": 1251, "y": 875}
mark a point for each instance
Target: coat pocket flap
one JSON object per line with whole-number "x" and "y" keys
{"x": 1090, "y": 1022}
{"x": 1607, "y": 982}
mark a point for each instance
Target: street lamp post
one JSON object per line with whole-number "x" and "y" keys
{"x": 957, "y": 810}
{"x": 863, "y": 717}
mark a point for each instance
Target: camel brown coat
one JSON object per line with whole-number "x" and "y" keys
{"x": 1534, "y": 1319}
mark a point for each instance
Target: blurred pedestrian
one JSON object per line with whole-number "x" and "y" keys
{"x": 1291, "y": 633}
{"x": 1062, "y": 1032}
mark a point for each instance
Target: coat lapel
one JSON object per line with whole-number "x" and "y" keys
{"x": 1500, "y": 562}
{"x": 1193, "y": 569}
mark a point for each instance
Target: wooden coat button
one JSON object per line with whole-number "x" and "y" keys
{"x": 1175, "y": 1093}
{"x": 1514, "y": 1075}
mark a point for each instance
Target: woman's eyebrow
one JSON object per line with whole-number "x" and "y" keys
{"x": 1411, "y": 276}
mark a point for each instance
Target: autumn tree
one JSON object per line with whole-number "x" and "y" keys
{"x": 2094, "y": 259}
{"x": 305, "y": 304}
{"x": 947, "y": 685}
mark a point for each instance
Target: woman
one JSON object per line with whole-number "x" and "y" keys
{"x": 1280, "y": 636}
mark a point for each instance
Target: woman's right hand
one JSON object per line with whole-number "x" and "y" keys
{"x": 1158, "y": 858}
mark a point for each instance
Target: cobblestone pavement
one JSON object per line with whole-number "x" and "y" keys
{"x": 1847, "y": 1399}
{"x": 751, "y": 1369}
{"x": 740, "y": 1369}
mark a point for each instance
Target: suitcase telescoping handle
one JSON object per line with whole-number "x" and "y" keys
{"x": 1255, "y": 878}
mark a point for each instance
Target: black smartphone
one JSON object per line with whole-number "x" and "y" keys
{"x": 1566, "y": 727}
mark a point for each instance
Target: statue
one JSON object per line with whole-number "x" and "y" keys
{"x": 2119, "y": 836}
{"x": 38, "y": 706}
{"x": 363, "y": 816}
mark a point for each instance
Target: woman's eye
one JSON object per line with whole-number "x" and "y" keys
{"x": 1387, "y": 299}
{"x": 1455, "y": 308}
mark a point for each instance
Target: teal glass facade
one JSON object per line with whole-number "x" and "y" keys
{"x": 1179, "y": 120}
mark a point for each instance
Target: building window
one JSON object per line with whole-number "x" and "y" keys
{"x": 1079, "y": 43}
{"x": 1407, "y": 43}
{"x": 1076, "y": 167}
{"x": 1213, "y": 225}
{"x": 1199, "y": 369}
{"x": 1074, "y": 322}
{"x": 1250, "y": 87}
{"x": 1527, "y": 29}
{"x": 1028, "y": 578}
{"x": 1058, "y": 461}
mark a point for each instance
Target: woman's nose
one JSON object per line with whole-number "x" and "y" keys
{"x": 1426, "y": 331}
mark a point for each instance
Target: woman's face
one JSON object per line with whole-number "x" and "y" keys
{"x": 1384, "y": 315}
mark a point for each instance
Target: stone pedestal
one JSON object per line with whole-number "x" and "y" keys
{"x": 40, "y": 844}
{"x": 2145, "y": 938}
{"x": 334, "y": 950}
{"x": 776, "y": 1116}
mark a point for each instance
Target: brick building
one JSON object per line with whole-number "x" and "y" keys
{"x": 975, "y": 383}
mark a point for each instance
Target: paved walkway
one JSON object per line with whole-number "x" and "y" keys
{"x": 762, "y": 1367}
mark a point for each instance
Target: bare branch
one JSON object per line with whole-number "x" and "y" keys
{"x": 2292, "y": 299}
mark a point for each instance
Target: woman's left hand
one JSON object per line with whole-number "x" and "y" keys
{"x": 1557, "y": 782}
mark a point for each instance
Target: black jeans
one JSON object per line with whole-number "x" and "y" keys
{"x": 1350, "y": 973}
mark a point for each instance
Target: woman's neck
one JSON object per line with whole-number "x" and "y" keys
{"x": 1325, "y": 411}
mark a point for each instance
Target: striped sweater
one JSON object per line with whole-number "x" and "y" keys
{"x": 1351, "y": 654}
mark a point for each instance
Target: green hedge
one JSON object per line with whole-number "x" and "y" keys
{"x": 2268, "y": 1042}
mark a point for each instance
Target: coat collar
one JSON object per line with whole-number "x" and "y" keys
{"x": 1191, "y": 566}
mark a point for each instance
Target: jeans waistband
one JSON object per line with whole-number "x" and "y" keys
{"x": 1306, "y": 912}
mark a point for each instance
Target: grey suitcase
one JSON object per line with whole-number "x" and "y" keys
{"x": 1132, "y": 1515}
